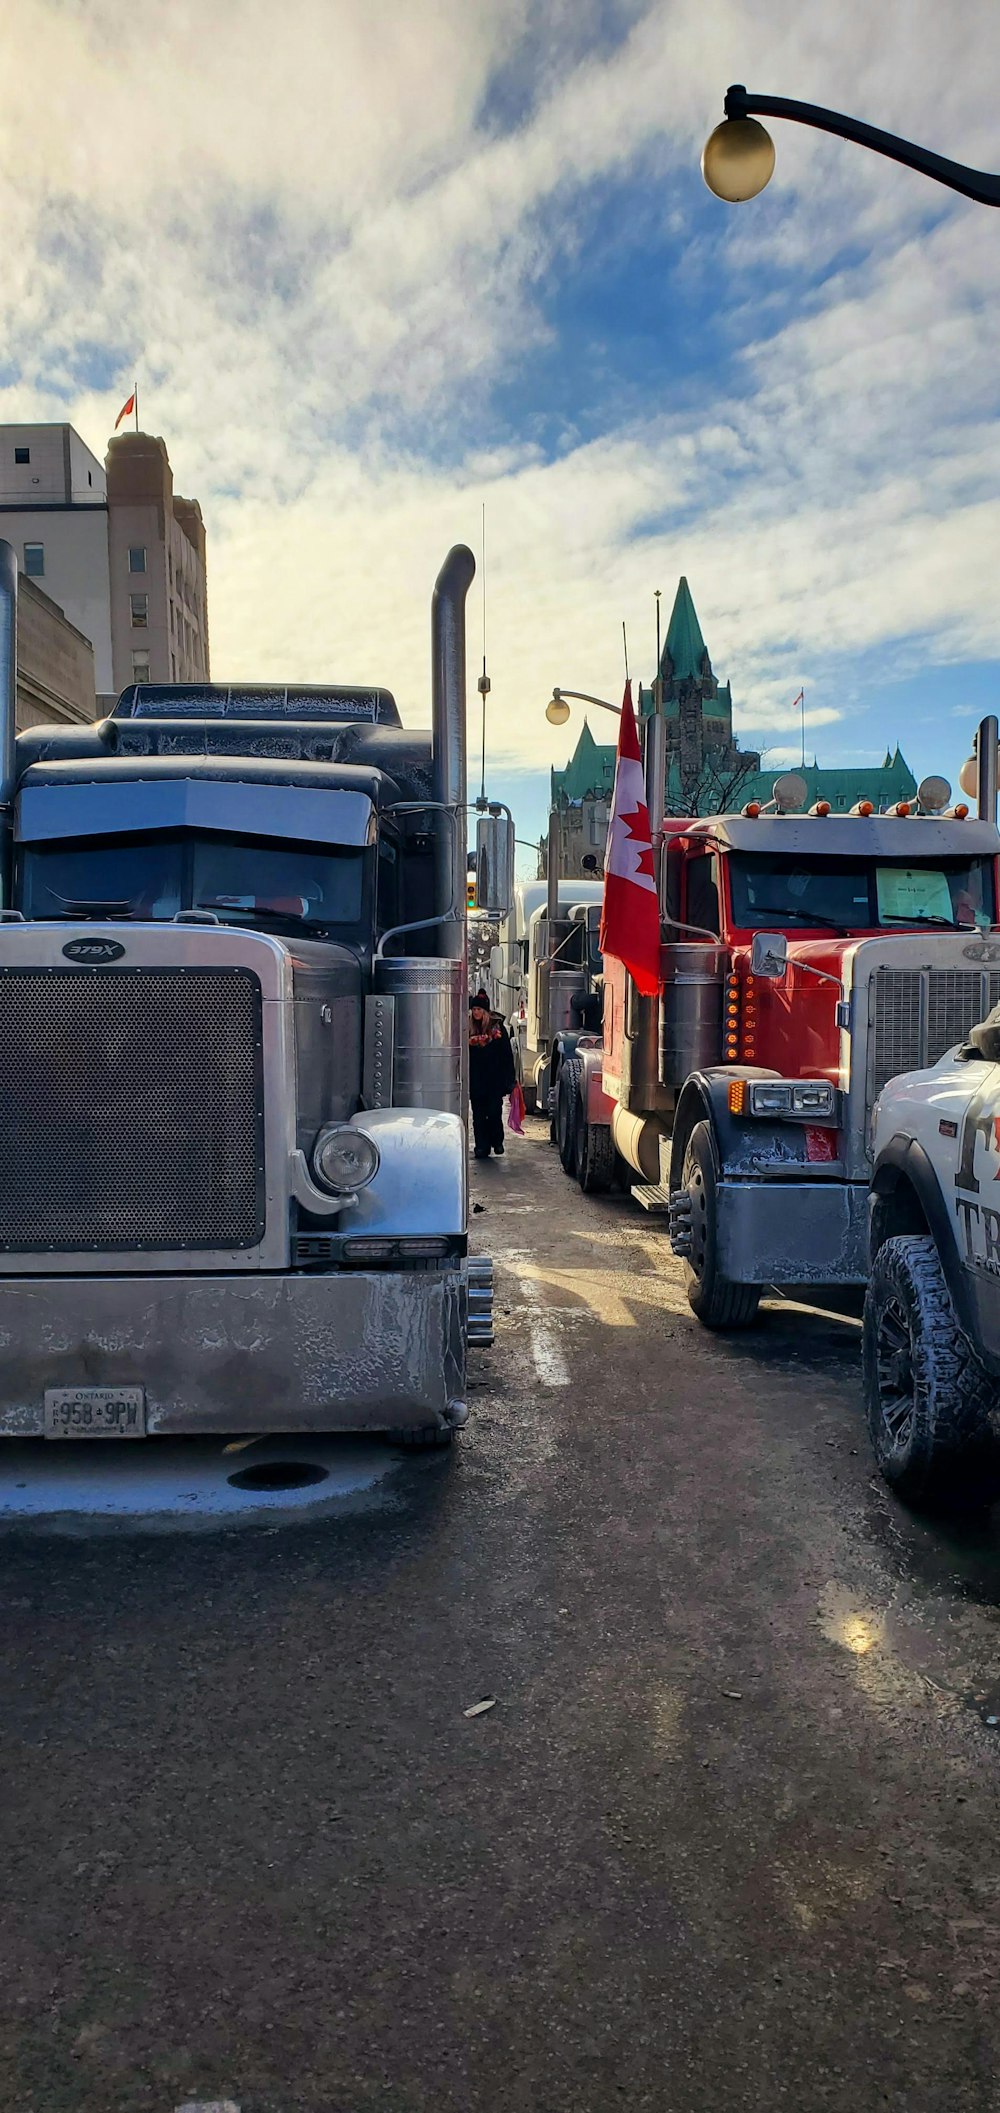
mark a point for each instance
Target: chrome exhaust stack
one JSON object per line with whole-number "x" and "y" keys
{"x": 8, "y": 712}
{"x": 448, "y": 736}
{"x": 987, "y": 770}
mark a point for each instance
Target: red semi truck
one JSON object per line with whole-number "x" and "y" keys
{"x": 805, "y": 960}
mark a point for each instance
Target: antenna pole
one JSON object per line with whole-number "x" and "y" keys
{"x": 483, "y": 684}
{"x": 625, "y": 647}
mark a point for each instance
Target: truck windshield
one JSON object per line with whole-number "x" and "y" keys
{"x": 769, "y": 893}
{"x": 276, "y": 887}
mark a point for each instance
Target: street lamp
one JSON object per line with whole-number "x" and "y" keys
{"x": 738, "y": 159}
{"x": 557, "y": 710}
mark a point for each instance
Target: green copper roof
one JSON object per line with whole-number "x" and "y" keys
{"x": 685, "y": 646}
{"x": 591, "y": 769}
{"x": 882, "y": 783}
{"x": 591, "y": 772}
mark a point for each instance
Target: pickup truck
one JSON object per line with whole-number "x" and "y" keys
{"x": 931, "y": 1337}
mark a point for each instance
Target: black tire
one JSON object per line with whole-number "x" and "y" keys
{"x": 927, "y": 1400}
{"x": 567, "y": 1112}
{"x": 719, "y": 1302}
{"x": 595, "y": 1156}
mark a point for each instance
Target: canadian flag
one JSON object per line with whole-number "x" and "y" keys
{"x": 126, "y": 410}
{"x": 630, "y": 917}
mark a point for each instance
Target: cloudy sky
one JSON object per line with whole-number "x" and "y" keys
{"x": 376, "y": 263}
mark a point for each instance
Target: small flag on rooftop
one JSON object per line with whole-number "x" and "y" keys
{"x": 127, "y": 410}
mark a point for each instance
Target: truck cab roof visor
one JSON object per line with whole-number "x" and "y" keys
{"x": 135, "y": 806}
{"x": 842, "y": 836}
{"x": 214, "y": 700}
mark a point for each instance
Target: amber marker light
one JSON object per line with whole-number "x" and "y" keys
{"x": 902, "y": 808}
{"x": 738, "y": 1097}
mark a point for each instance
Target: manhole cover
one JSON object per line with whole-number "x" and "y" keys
{"x": 279, "y": 1474}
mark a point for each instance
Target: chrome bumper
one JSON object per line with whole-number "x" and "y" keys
{"x": 359, "y": 1351}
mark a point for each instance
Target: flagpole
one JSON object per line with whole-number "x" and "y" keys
{"x": 802, "y": 708}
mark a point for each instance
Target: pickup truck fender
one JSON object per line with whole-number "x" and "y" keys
{"x": 904, "y": 1169}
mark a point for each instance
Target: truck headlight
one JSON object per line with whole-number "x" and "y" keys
{"x": 770, "y": 1097}
{"x": 344, "y": 1159}
{"x": 796, "y": 1097}
{"x": 813, "y": 1097}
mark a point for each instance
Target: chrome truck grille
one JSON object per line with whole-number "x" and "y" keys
{"x": 131, "y": 1109}
{"x": 918, "y": 1014}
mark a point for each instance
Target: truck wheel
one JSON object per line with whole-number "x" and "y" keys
{"x": 595, "y": 1156}
{"x": 567, "y": 1112}
{"x": 718, "y": 1301}
{"x": 926, "y": 1397}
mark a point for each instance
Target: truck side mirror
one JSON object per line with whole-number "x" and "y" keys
{"x": 769, "y": 955}
{"x": 495, "y": 864}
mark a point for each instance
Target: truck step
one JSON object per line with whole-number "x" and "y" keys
{"x": 479, "y": 1316}
{"x": 653, "y": 1197}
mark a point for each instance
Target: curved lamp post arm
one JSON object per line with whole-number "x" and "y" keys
{"x": 584, "y": 697}
{"x": 972, "y": 183}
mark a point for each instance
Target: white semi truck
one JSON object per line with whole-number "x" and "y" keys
{"x": 546, "y": 966}
{"x": 233, "y": 1046}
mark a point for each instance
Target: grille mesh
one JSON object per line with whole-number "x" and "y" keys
{"x": 918, "y": 1014}
{"x": 131, "y": 1109}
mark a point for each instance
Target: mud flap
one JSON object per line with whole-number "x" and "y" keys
{"x": 792, "y": 1232}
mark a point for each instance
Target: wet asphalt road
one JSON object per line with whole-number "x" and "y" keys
{"x": 727, "y": 1839}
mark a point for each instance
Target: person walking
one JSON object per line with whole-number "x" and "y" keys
{"x": 491, "y": 1075}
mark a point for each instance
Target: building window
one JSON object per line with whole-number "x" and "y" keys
{"x": 34, "y": 560}
{"x": 137, "y": 557}
{"x": 140, "y": 608}
{"x": 22, "y": 454}
{"x": 140, "y": 667}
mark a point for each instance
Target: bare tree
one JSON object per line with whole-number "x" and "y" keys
{"x": 717, "y": 783}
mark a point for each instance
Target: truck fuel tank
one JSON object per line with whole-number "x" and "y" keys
{"x": 690, "y": 1009}
{"x": 430, "y": 1030}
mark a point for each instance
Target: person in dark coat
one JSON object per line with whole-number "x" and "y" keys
{"x": 491, "y": 1074}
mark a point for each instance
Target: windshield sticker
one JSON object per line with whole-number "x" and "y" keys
{"x": 913, "y": 891}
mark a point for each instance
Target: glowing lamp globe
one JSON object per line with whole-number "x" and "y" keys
{"x": 557, "y": 710}
{"x": 738, "y": 159}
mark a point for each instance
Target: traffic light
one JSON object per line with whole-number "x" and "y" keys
{"x": 470, "y": 892}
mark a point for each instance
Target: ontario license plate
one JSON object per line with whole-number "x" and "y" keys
{"x": 95, "y": 1412}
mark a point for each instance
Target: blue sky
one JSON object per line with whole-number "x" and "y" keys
{"x": 376, "y": 266}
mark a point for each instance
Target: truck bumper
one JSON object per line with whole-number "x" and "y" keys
{"x": 358, "y": 1351}
{"x": 793, "y": 1232}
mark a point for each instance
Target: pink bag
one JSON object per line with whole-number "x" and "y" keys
{"x": 515, "y": 1113}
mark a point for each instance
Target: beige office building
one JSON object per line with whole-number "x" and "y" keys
{"x": 55, "y": 663}
{"x": 156, "y": 557}
{"x": 113, "y": 546}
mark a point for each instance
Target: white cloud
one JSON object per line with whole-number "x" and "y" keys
{"x": 306, "y": 232}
